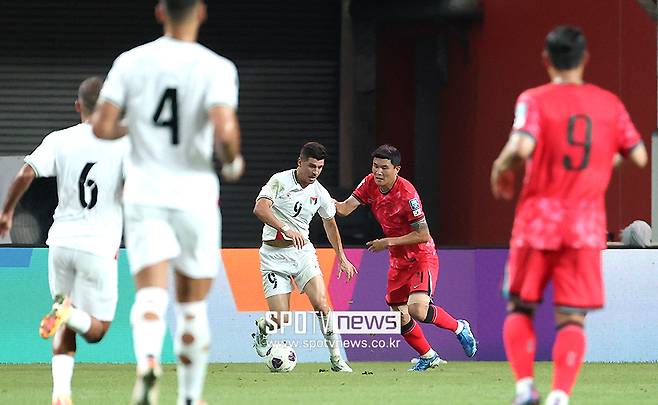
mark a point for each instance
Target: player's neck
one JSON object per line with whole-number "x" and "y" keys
{"x": 297, "y": 179}
{"x": 387, "y": 187}
{"x": 187, "y": 32}
{"x": 567, "y": 77}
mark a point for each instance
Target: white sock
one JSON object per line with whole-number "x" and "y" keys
{"x": 460, "y": 328}
{"x": 192, "y": 343}
{"x": 62, "y": 370}
{"x": 524, "y": 386}
{"x": 330, "y": 338}
{"x": 79, "y": 321}
{"x": 148, "y": 334}
{"x": 429, "y": 354}
{"x": 557, "y": 397}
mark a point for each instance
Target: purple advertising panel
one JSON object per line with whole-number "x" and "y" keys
{"x": 468, "y": 287}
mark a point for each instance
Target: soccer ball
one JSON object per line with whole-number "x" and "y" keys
{"x": 281, "y": 358}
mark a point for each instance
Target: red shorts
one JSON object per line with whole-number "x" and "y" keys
{"x": 576, "y": 276}
{"x": 414, "y": 276}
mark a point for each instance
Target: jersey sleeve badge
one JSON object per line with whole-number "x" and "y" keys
{"x": 415, "y": 207}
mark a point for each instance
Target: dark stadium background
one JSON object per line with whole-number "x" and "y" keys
{"x": 432, "y": 77}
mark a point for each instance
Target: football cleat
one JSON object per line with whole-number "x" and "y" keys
{"x": 435, "y": 363}
{"x": 58, "y": 315}
{"x": 528, "y": 398}
{"x": 339, "y": 365}
{"x": 62, "y": 400}
{"x": 423, "y": 364}
{"x": 467, "y": 340}
{"x": 145, "y": 391}
{"x": 260, "y": 338}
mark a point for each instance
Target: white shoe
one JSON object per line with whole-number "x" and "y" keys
{"x": 145, "y": 391}
{"x": 260, "y": 338}
{"x": 557, "y": 397}
{"x": 435, "y": 363}
{"x": 339, "y": 365}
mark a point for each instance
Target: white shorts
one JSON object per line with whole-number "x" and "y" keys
{"x": 280, "y": 266}
{"x": 90, "y": 280}
{"x": 188, "y": 239}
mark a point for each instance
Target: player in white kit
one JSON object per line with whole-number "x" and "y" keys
{"x": 179, "y": 98}
{"x": 85, "y": 236}
{"x": 286, "y": 205}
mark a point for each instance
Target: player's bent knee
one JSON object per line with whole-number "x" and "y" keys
{"x": 150, "y": 305}
{"x": 418, "y": 311}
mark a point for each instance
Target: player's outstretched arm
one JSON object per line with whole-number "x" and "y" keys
{"x": 263, "y": 211}
{"x": 18, "y": 187}
{"x": 226, "y": 132}
{"x": 346, "y": 207}
{"x": 105, "y": 121}
{"x": 333, "y": 234}
{"x": 517, "y": 149}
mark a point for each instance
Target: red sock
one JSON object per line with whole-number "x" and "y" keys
{"x": 520, "y": 344}
{"x": 568, "y": 355}
{"x": 413, "y": 334}
{"x": 439, "y": 317}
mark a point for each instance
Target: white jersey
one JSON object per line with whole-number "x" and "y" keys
{"x": 166, "y": 88}
{"x": 89, "y": 175}
{"x": 294, "y": 205}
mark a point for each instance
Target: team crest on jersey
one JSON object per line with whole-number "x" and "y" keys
{"x": 314, "y": 200}
{"x": 415, "y": 207}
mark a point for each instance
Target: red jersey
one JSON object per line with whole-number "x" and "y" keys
{"x": 578, "y": 129}
{"x": 396, "y": 211}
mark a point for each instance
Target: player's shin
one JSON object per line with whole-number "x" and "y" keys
{"x": 62, "y": 371}
{"x": 148, "y": 324}
{"x": 330, "y": 338}
{"x": 520, "y": 345}
{"x": 191, "y": 346}
{"x": 414, "y": 336}
{"x": 439, "y": 317}
{"x": 568, "y": 354}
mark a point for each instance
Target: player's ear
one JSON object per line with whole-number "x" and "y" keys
{"x": 585, "y": 57}
{"x": 545, "y": 60}
{"x": 397, "y": 169}
{"x": 160, "y": 13}
{"x": 299, "y": 162}
{"x": 77, "y": 106}
{"x": 201, "y": 12}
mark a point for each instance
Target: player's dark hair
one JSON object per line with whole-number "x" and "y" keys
{"x": 313, "y": 150}
{"x": 88, "y": 93}
{"x": 178, "y": 10}
{"x": 389, "y": 152}
{"x": 565, "y": 46}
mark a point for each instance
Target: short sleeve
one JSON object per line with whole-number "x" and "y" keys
{"x": 361, "y": 191}
{"x": 527, "y": 116}
{"x": 627, "y": 135}
{"x": 42, "y": 160}
{"x": 223, "y": 87}
{"x": 115, "y": 87}
{"x": 414, "y": 209}
{"x": 327, "y": 208}
{"x": 271, "y": 189}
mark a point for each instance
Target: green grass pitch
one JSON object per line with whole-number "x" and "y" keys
{"x": 371, "y": 383}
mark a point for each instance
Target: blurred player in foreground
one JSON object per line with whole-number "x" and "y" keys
{"x": 568, "y": 133}
{"x": 178, "y": 97}
{"x": 414, "y": 265}
{"x": 286, "y": 205}
{"x": 85, "y": 236}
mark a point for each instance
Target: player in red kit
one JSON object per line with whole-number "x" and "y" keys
{"x": 414, "y": 265}
{"x": 568, "y": 132}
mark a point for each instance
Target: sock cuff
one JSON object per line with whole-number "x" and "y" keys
{"x": 570, "y": 325}
{"x": 408, "y": 327}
